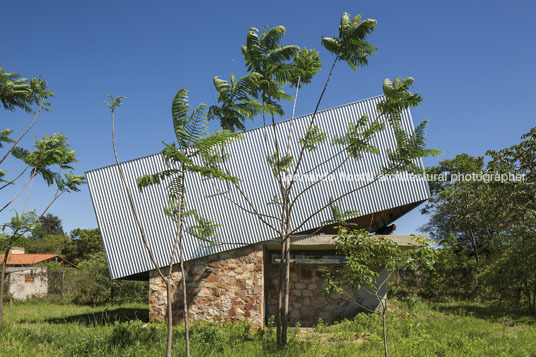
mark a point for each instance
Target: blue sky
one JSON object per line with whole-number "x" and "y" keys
{"x": 473, "y": 62}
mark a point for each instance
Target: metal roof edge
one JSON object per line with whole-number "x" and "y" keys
{"x": 246, "y": 131}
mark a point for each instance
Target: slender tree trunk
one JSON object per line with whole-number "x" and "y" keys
{"x": 28, "y": 195}
{"x": 169, "y": 317}
{"x": 178, "y": 243}
{"x": 284, "y": 273}
{"x": 2, "y": 279}
{"x": 137, "y": 220}
{"x": 279, "y": 316}
{"x": 384, "y": 311}
{"x": 475, "y": 248}
{"x": 185, "y": 303}
{"x": 286, "y": 295}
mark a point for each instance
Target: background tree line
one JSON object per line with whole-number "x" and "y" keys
{"x": 486, "y": 232}
{"x": 91, "y": 283}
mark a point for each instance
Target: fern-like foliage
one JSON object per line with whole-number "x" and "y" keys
{"x": 196, "y": 150}
{"x": 18, "y": 225}
{"x": 313, "y": 138}
{"x": 397, "y": 99}
{"x": 236, "y": 102}
{"x": 277, "y": 65}
{"x": 340, "y": 217}
{"x": 50, "y": 152}
{"x": 271, "y": 67}
{"x": 280, "y": 163}
{"x": 350, "y": 45}
{"x": 358, "y": 138}
{"x": 203, "y": 228}
{"x": 16, "y": 92}
{"x": 188, "y": 128}
{"x": 4, "y": 136}
{"x": 306, "y": 63}
{"x": 265, "y": 55}
{"x": 411, "y": 147}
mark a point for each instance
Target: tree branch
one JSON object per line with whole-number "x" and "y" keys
{"x": 16, "y": 178}
{"x": 25, "y": 132}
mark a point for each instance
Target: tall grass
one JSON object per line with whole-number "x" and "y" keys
{"x": 41, "y": 328}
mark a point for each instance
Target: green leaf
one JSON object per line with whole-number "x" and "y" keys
{"x": 359, "y": 136}
{"x": 313, "y": 138}
{"x": 350, "y": 45}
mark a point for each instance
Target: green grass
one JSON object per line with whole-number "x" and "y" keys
{"x": 41, "y": 328}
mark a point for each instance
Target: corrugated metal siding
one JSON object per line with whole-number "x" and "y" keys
{"x": 125, "y": 252}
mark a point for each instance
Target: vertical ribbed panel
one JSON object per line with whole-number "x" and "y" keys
{"x": 213, "y": 199}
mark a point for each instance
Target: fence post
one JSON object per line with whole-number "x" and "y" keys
{"x": 8, "y": 283}
{"x": 61, "y": 291}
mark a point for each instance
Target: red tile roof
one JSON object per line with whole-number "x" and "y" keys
{"x": 30, "y": 259}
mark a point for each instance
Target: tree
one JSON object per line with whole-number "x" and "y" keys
{"x": 515, "y": 209}
{"x": 370, "y": 263}
{"x": 453, "y": 206}
{"x": 82, "y": 244}
{"x": 51, "y": 156}
{"x": 487, "y": 217}
{"x": 196, "y": 152}
{"x": 48, "y": 224}
{"x": 271, "y": 67}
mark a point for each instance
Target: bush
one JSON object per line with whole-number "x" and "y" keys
{"x": 95, "y": 286}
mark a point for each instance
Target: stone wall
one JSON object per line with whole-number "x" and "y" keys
{"x": 307, "y": 304}
{"x": 225, "y": 286}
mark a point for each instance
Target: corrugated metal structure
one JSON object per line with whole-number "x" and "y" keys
{"x": 220, "y": 201}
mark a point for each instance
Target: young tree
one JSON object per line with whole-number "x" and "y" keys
{"x": 196, "y": 152}
{"x": 21, "y": 93}
{"x": 370, "y": 263}
{"x": 50, "y": 157}
{"x": 271, "y": 67}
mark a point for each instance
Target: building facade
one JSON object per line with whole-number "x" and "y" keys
{"x": 235, "y": 277}
{"x": 242, "y": 284}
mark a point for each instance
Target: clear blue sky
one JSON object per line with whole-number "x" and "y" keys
{"x": 473, "y": 62}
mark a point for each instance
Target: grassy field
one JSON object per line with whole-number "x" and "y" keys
{"x": 40, "y": 328}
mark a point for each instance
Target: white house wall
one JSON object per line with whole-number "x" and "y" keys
{"x": 20, "y": 289}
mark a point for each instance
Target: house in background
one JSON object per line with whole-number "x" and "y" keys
{"x": 26, "y": 275}
{"x": 235, "y": 278}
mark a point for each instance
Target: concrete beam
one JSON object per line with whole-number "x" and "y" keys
{"x": 327, "y": 241}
